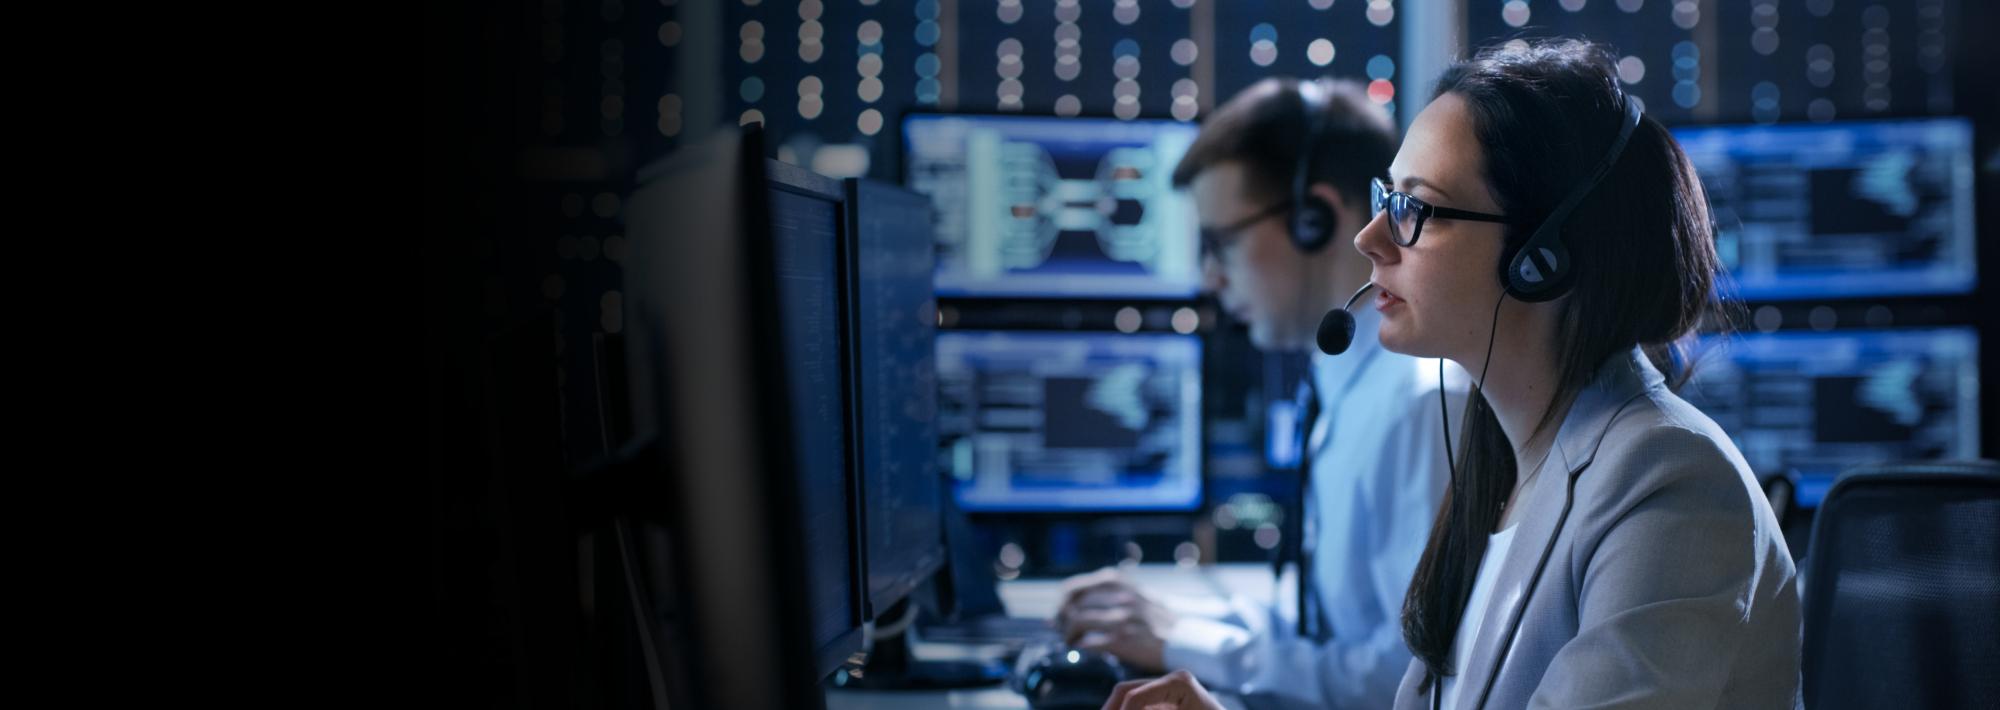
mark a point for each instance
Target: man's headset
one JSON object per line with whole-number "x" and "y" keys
{"x": 1312, "y": 216}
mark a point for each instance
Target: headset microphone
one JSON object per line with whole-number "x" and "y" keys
{"x": 1336, "y": 329}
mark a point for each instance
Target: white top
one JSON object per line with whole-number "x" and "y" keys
{"x": 1475, "y": 610}
{"x": 1378, "y": 468}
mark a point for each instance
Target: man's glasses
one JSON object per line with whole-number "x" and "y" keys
{"x": 1214, "y": 240}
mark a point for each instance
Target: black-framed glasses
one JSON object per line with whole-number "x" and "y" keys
{"x": 1407, "y": 214}
{"x": 1213, "y": 240}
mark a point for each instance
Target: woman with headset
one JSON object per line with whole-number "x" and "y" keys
{"x": 1602, "y": 543}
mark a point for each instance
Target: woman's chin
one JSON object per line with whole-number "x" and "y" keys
{"x": 1394, "y": 339}
{"x": 1397, "y": 339}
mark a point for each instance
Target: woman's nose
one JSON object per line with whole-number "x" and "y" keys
{"x": 1373, "y": 240}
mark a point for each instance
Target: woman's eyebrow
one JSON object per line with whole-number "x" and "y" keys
{"x": 1413, "y": 182}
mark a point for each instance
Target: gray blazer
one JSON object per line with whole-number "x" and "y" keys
{"x": 1668, "y": 587}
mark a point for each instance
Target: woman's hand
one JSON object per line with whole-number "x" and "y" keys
{"x": 1174, "y": 691}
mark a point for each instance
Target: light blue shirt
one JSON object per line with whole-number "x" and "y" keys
{"x": 1378, "y": 475}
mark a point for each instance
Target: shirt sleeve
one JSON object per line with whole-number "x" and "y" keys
{"x": 1272, "y": 667}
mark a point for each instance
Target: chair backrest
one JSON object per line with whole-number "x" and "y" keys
{"x": 1902, "y": 596}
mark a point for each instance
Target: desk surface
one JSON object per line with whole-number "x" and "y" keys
{"x": 1039, "y": 598}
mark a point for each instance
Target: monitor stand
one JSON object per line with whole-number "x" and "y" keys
{"x": 892, "y": 666}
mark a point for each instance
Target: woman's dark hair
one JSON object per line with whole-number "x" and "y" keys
{"x": 1645, "y": 268}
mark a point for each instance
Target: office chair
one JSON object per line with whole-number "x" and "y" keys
{"x": 1902, "y": 589}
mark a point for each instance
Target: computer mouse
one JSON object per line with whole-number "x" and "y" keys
{"x": 1068, "y": 678}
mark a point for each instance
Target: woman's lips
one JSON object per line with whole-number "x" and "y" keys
{"x": 1384, "y": 300}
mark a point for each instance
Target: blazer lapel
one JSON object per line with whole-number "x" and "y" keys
{"x": 1539, "y": 508}
{"x": 1622, "y": 379}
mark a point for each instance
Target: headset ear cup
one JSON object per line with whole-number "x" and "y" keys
{"x": 1537, "y": 271}
{"x": 1312, "y": 223}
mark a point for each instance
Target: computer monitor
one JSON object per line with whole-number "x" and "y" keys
{"x": 1812, "y": 404}
{"x": 893, "y": 316}
{"x": 808, "y": 242}
{"x": 1838, "y": 210}
{"x": 1070, "y": 422}
{"x": 1036, "y": 206}
{"x": 730, "y": 313}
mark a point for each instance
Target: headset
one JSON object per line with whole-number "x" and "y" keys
{"x": 1539, "y": 270}
{"x": 1312, "y": 216}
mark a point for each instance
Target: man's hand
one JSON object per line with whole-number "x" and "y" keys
{"x": 1175, "y": 691}
{"x": 1104, "y": 612}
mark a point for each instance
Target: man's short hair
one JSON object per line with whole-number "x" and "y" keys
{"x": 1265, "y": 127}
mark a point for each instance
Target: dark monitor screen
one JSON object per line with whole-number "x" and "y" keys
{"x": 894, "y": 320}
{"x": 1812, "y": 404}
{"x": 1056, "y": 207}
{"x": 806, "y": 226}
{"x": 1049, "y": 422}
{"x": 695, "y": 545}
{"x": 1833, "y": 210}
